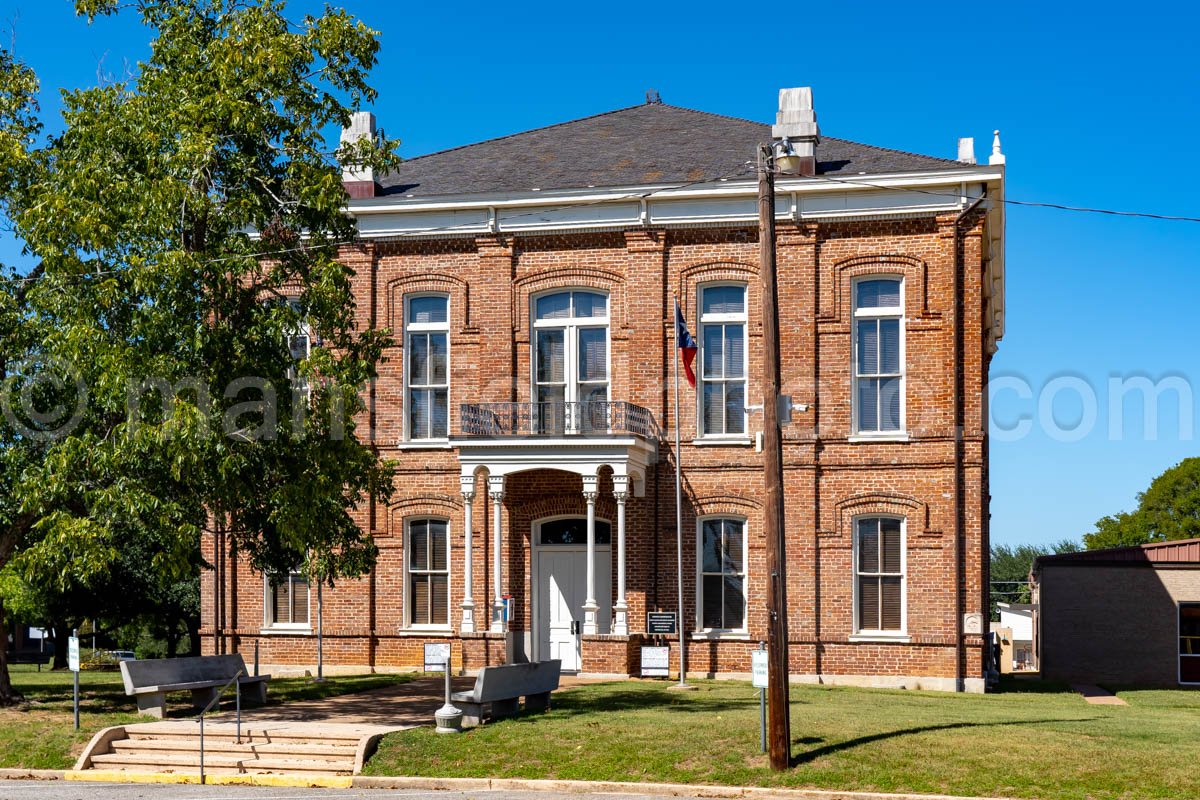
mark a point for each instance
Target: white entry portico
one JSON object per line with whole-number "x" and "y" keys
{"x": 493, "y": 444}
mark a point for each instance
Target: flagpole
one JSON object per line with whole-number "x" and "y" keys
{"x": 679, "y": 511}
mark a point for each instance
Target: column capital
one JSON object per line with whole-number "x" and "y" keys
{"x": 590, "y": 488}
{"x": 466, "y": 485}
{"x": 496, "y": 487}
{"x": 620, "y": 487}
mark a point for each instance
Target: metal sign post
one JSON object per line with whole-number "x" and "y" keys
{"x": 759, "y": 672}
{"x": 73, "y": 664}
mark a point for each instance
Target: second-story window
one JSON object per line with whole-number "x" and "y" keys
{"x": 427, "y": 345}
{"x": 570, "y": 361}
{"x": 878, "y": 356}
{"x": 723, "y": 360}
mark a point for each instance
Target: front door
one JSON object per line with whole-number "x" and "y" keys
{"x": 562, "y": 587}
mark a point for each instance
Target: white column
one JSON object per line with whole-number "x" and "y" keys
{"x": 467, "y": 486}
{"x": 590, "y": 606}
{"x": 621, "y": 609}
{"x": 496, "y": 493}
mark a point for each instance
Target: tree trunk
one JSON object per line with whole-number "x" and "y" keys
{"x": 193, "y": 632}
{"x": 173, "y": 640}
{"x": 8, "y": 695}
{"x": 62, "y": 632}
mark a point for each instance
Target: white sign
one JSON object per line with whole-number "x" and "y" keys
{"x": 758, "y": 668}
{"x": 436, "y": 656}
{"x": 656, "y": 662}
{"x": 73, "y": 653}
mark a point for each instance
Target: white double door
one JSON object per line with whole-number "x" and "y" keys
{"x": 562, "y": 590}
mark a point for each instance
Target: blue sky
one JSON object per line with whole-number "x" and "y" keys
{"x": 1096, "y": 107}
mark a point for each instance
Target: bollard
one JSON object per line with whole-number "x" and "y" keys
{"x": 448, "y": 717}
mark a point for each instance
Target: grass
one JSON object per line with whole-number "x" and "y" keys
{"x": 40, "y": 734}
{"x": 1028, "y": 741}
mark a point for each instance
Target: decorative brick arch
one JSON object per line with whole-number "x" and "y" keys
{"x": 836, "y": 297}
{"x": 559, "y": 505}
{"x": 452, "y": 285}
{"x": 427, "y": 505}
{"x": 734, "y": 504}
{"x": 890, "y": 503}
{"x": 607, "y": 281}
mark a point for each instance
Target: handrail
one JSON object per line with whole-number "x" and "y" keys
{"x": 214, "y": 701}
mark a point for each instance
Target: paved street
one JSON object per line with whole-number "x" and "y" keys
{"x": 62, "y": 790}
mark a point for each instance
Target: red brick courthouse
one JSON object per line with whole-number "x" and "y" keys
{"x": 529, "y": 282}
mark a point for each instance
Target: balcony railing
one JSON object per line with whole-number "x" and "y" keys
{"x": 583, "y": 418}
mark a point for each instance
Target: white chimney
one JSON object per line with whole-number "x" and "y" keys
{"x": 796, "y": 123}
{"x": 359, "y": 180}
{"x": 997, "y": 156}
{"x": 966, "y": 150}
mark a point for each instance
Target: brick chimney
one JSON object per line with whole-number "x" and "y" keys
{"x": 359, "y": 180}
{"x": 796, "y": 123}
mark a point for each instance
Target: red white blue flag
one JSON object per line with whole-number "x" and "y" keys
{"x": 686, "y": 344}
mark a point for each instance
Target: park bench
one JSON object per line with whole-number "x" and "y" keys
{"x": 501, "y": 688}
{"x": 149, "y": 680}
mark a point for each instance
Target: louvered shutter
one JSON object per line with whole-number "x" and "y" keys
{"x": 868, "y": 604}
{"x": 299, "y": 600}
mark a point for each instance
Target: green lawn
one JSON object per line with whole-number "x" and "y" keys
{"x": 1028, "y": 741}
{"x": 41, "y": 734}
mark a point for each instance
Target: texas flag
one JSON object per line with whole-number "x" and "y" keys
{"x": 686, "y": 344}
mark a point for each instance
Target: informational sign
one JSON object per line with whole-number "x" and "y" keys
{"x": 436, "y": 656}
{"x": 758, "y": 668}
{"x": 73, "y": 653}
{"x": 656, "y": 662}
{"x": 660, "y": 623}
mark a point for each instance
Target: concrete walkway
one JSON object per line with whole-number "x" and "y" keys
{"x": 1097, "y": 695}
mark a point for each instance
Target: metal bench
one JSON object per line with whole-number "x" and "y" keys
{"x": 150, "y": 680}
{"x": 501, "y": 688}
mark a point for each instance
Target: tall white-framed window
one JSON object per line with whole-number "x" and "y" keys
{"x": 427, "y": 371}
{"x": 1189, "y": 643}
{"x": 427, "y": 573}
{"x": 286, "y": 602}
{"x": 571, "y": 361}
{"x": 880, "y": 603}
{"x": 878, "y": 356}
{"x": 721, "y": 567}
{"x": 723, "y": 360}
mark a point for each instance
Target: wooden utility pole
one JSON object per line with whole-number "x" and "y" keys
{"x": 779, "y": 737}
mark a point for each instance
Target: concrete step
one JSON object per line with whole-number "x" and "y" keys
{"x": 160, "y": 762}
{"x": 247, "y": 748}
{"x": 215, "y": 734}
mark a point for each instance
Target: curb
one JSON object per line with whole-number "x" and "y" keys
{"x": 31, "y": 774}
{"x": 632, "y": 787}
{"x": 276, "y": 781}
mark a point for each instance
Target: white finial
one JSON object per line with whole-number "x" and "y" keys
{"x": 997, "y": 156}
{"x": 966, "y": 150}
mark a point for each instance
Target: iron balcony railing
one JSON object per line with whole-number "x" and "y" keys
{"x": 582, "y": 418}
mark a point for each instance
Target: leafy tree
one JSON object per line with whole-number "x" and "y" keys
{"x": 181, "y": 321}
{"x": 1169, "y": 509}
{"x": 1010, "y": 566}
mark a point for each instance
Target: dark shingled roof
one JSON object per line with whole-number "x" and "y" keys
{"x": 644, "y": 144}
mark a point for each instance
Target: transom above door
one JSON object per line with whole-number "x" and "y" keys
{"x": 571, "y": 361}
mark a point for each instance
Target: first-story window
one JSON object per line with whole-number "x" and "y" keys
{"x": 287, "y": 601}
{"x": 428, "y": 573}
{"x": 879, "y": 574}
{"x": 723, "y": 574}
{"x": 1189, "y": 643}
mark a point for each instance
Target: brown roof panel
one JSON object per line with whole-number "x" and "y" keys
{"x": 1182, "y": 551}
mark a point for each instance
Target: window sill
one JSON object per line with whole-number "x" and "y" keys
{"x": 731, "y": 636}
{"x": 723, "y": 441}
{"x": 286, "y": 630}
{"x": 424, "y": 444}
{"x": 432, "y": 633}
{"x": 882, "y": 637}
{"x": 859, "y": 438}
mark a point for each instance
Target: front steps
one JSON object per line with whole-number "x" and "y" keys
{"x": 285, "y": 748}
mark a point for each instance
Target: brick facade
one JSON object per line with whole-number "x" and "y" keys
{"x": 935, "y": 481}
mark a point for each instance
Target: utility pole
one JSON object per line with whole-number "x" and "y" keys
{"x": 779, "y": 723}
